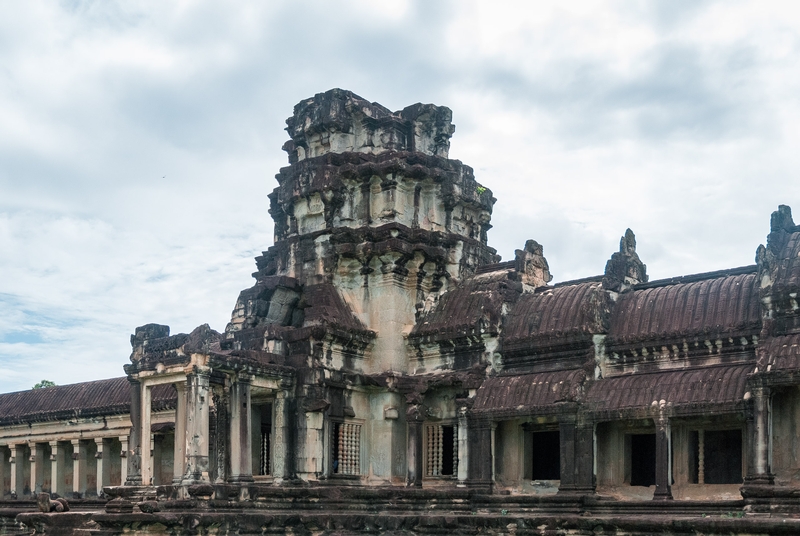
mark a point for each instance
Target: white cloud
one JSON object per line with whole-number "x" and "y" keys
{"x": 138, "y": 142}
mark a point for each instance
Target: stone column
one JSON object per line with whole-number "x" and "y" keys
{"x": 240, "y": 434}
{"x": 57, "y": 461}
{"x": 103, "y": 465}
{"x": 37, "y": 467}
{"x": 282, "y": 439}
{"x": 3, "y": 458}
{"x": 480, "y": 453}
{"x": 17, "y": 473}
{"x": 179, "y": 457}
{"x": 566, "y": 434}
{"x": 197, "y": 409}
{"x": 133, "y": 471}
{"x": 463, "y": 450}
{"x": 759, "y": 438}
{"x": 78, "y": 468}
{"x": 145, "y": 436}
{"x": 415, "y": 420}
{"x": 663, "y": 460}
{"x": 123, "y": 459}
{"x": 585, "y": 482}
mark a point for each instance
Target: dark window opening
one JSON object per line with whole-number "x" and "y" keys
{"x": 719, "y": 461}
{"x": 643, "y": 459}
{"x": 546, "y": 455}
{"x": 448, "y": 447}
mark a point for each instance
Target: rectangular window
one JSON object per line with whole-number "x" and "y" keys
{"x": 346, "y": 448}
{"x": 546, "y": 455}
{"x": 715, "y": 457}
{"x": 643, "y": 459}
{"x": 441, "y": 450}
{"x": 262, "y": 439}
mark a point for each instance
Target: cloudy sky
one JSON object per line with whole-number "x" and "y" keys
{"x": 139, "y": 141}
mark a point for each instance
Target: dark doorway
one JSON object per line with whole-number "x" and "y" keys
{"x": 546, "y": 462}
{"x": 643, "y": 459}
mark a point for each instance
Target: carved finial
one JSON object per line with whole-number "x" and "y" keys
{"x": 624, "y": 269}
{"x": 781, "y": 219}
{"x": 532, "y": 265}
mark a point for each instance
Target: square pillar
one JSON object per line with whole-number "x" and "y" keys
{"x": 17, "y": 471}
{"x": 197, "y": 415}
{"x": 57, "y": 461}
{"x": 759, "y": 438}
{"x": 123, "y": 458}
{"x": 179, "y": 455}
{"x": 37, "y": 467}
{"x": 282, "y": 444}
{"x": 145, "y": 436}
{"x": 577, "y": 458}
{"x": 480, "y": 453}
{"x": 133, "y": 454}
{"x": 415, "y": 420}
{"x": 78, "y": 468}
{"x": 3, "y": 471}
{"x": 663, "y": 460}
{"x": 103, "y": 460}
{"x": 240, "y": 432}
{"x": 463, "y": 441}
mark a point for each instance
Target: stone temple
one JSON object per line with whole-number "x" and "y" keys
{"x": 387, "y": 373}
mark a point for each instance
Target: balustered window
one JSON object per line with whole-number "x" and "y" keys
{"x": 346, "y": 448}
{"x": 715, "y": 457}
{"x": 441, "y": 450}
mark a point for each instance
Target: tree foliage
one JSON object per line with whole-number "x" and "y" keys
{"x": 44, "y": 383}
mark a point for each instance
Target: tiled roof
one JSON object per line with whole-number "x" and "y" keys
{"x": 714, "y": 307}
{"x": 87, "y": 399}
{"x": 525, "y": 392}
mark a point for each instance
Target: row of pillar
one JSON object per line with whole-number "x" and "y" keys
{"x": 191, "y": 455}
{"x": 80, "y": 463}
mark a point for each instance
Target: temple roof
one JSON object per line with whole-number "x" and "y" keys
{"x": 86, "y": 399}
{"x": 710, "y": 307}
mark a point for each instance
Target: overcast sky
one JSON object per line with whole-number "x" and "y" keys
{"x": 139, "y": 141}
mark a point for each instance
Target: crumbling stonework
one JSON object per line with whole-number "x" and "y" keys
{"x": 387, "y": 372}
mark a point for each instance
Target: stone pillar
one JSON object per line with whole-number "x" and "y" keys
{"x": 57, "y": 461}
{"x": 415, "y": 420}
{"x": 566, "y": 434}
{"x": 282, "y": 439}
{"x": 145, "y": 436}
{"x": 585, "y": 482}
{"x": 17, "y": 472}
{"x": 3, "y": 459}
{"x": 37, "y": 467}
{"x": 480, "y": 461}
{"x": 123, "y": 459}
{"x": 78, "y": 468}
{"x": 197, "y": 414}
{"x": 463, "y": 450}
{"x": 663, "y": 460}
{"x": 240, "y": 434}
{"x": 103, "y": 458}
{"x": 133, "y": 476}
{"x": 179, "y": 457}
{"x": 759, "y": 438}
